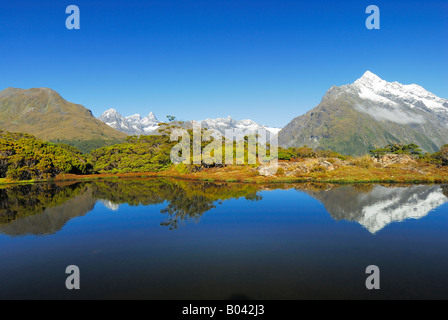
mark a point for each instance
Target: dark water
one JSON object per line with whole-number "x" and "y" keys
{"x": 164, "y": 239}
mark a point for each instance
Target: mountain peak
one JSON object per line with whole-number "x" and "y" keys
{"x": 369, "y": 77}
{"x": 151, "y": 116}
{"x": 111, "y": 110}
{"x": 380, "y": 113}
{"x": 134, "y": 117}
{"x": 371, "y": 87}
{"x": 369, "y": 74}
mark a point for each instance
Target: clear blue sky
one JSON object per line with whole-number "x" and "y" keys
{"x": 265, "y": 60}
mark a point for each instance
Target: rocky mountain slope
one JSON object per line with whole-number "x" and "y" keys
{"x": 371, "y": 113}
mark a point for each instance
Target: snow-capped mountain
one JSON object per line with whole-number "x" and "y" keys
{"x": 380, "y": 206}
{"x": 132, "y": 125}
{"x": 371, "y": 113}
{"x": 136, "y": 125}
{"x": 246, "y": 126}
{"x": 109, "y": 204}
{"x": 396, "y": 102}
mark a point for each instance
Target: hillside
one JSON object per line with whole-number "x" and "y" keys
{"x": 369, "y": 113}
{"x": 43, "y": 113}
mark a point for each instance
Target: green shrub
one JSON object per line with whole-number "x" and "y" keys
{"x": 182, "y": 168}
{"x": 23, "y": 157}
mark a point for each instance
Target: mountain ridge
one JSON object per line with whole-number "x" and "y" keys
{"x": 132, "y": 125}
{"x": 137, "y": 125}
{"x": 43, "y": 113}
{"x": 350, "y": 119}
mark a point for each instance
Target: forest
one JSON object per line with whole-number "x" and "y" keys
{"x": 23, "y": 157}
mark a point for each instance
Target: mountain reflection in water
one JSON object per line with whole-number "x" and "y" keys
{"x": 374, "y": 207}
{"x": 43, "y": 209}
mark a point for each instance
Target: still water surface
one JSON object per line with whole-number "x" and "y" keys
{"x": 169, "y": 239}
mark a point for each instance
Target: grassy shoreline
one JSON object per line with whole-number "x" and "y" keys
{"x": 246, "y": 174}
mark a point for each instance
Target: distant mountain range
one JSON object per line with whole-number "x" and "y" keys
{"x": 350, "y": 119}
{"x": 371, "y": 113}
{"x": 136, "y": 125}
{"x": 43, "y": 113}
{"x": 132, "y": 125}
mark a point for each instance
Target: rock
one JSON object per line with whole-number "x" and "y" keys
{"x": 268, "y": 170}
{"x": 328, "y": 165}
{"x": 389, "y": 159}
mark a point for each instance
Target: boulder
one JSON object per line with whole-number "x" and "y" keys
{"x": 389, "y": 159}
{"x": 328, "y": 165}
{"x": 268, "y": 170}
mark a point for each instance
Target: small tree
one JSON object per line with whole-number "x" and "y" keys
{"x": 412, "y": 149}
{"x": 379, "y": 152}
{"x": 397, "y": 148}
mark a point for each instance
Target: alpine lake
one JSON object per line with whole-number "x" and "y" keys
{"x": 164, "y": 239}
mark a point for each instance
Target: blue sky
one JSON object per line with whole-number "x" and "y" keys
{"x": 265, "y": 60}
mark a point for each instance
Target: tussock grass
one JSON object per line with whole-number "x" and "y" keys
{"x": 365, "y": 162}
